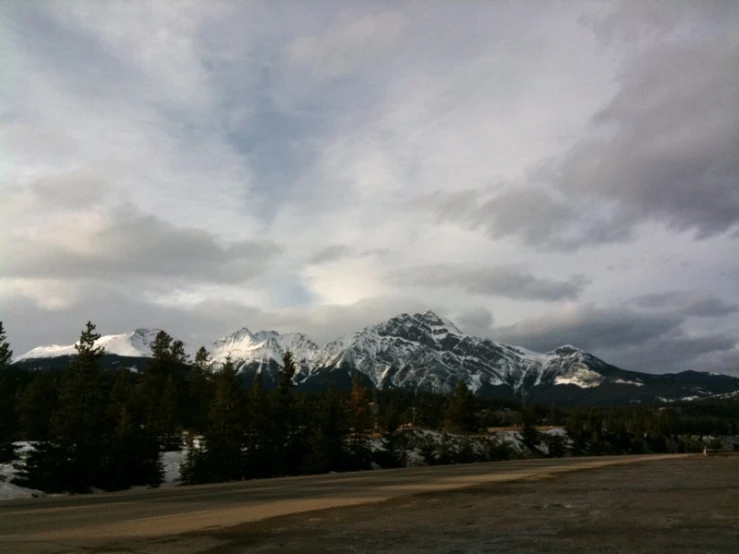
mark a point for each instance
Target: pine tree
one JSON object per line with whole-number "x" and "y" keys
{"x": 200, "y": 391}
{"x": 360, "y": 421}
{"x": 177, "y": 352}
{"x": 161, "y": 348}
{"x": 529, "y": 433}
{"x": 284, "y": 418}
{"x": 162, "y": 390}
{"x": 36, "y": 404}
{"x": 202, "y": 359}
{"x": 330, "y": 429}
{"x": 7, "y": 414}
{"x": 70, "y": 460}
{"x": 260, "y": 433}
{"x": 6, "y": 354}
{"x": 460, "y": 415}
{"x": 225, "y": 438}
{"x": 132, "y": 455}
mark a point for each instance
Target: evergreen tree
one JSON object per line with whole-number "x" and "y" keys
{"x": 529, "y": 433}
{"x": 162, "y": 390}
{"x": 358, "y": 411}
{"x": 177, "y": 352}
{"x": 8, "y": 420}
{"x": 6, "y": 354}
{"x": 395, "y": 451}
{"x": 70, "y": 459}
{"x": 260, "y": 432}
{"x": 132, "y": 454}
{"x": 200, "y": 391}
{"x": 224, "y": 440}
{"x": 36, "y": 404}
{"x": 557, "y": 447}
{"x": 460, "y": 415}
{"x": 330, "y": 430}
{"x": 202, "y": 359}
{"x": 284, "y": 418}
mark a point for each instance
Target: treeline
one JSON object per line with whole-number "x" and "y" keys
{"x": 107, "y": 429}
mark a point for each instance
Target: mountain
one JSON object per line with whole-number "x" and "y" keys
{"x": 126, "y": 349}
{"x": 136, "y": 344}
{"x": 428, "y": 352}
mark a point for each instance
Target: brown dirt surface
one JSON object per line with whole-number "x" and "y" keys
{"x": 666, "y": 505}
{"x": 687, "y": 505}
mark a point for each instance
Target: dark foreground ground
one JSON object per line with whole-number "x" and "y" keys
{"x": 686, "y": 505}
{"x": 664, "y": 505}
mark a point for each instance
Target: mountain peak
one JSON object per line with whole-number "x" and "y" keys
{"x": 566, "y": 349}
{"x": 427, "y": 351}
{"x": 241, "y": 334}
{"x": 431, "y": 318}
{"x": 134, "y": 344}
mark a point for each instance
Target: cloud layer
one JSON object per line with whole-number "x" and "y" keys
{"x": 541, "y": 175}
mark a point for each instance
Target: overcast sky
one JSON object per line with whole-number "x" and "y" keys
{"x": 540, "y": 173}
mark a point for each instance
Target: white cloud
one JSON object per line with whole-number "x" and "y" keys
{"x": 226, "y": 164}
{"x": 348, "y": 44}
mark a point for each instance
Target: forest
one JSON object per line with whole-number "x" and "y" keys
{"x": 95, "y": 429}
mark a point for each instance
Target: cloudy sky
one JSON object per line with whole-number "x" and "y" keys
{"x": 566, "y": 173}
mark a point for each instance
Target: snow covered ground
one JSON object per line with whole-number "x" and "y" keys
{"x": 421, "y": 446}
{"x": 172, "y": 462}
{"x": 9, "y": 491}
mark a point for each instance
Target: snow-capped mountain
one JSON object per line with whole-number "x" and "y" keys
{"x": 245, "y": 346}
{"x": 427, "y": 352}
{"x": 136, "y": 344}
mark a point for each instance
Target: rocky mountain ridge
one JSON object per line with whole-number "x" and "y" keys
{"x": 425, "y": 351}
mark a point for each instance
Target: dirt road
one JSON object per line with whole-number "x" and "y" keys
{"x": 154, "y": 521}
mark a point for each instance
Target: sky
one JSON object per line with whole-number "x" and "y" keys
{"x": 540, "y": 173}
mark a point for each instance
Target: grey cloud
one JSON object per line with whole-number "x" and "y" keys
{"x": 653, "y": 342}
{"x": 662, "y": 149}
{"x": 537, "y": 217}
{"x": 678, "y": 351}
{"x": 672, "y": 156}
{"x": 116, "y": 311}
{"x": 64, "y": 191}
{"x": 629, "y": 20}
{"x": 337, "y": 252}
{"x": 73, "y": 189}
{"x": 588, "y": 327}
{"x": 686, "y": 303}
{"x": 141, "y": 245}
{"x": 507, "y": 282}
{"x": 331, "y": 254}
{"x": 476, "y": 321}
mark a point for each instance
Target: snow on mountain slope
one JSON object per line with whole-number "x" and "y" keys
{"x": 263, "y": 345}
{"x": 136, "y": 344}
{"x": 264, "y": 350}
{"x": 580, "y": 376}
{"x": 428, "y": 352}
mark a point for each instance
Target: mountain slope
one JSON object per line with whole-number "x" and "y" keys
{"x": 136, "y": 344}
{"x": 425, "y": 351}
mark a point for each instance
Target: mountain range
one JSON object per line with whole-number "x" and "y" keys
{"x": 423, "y": 352}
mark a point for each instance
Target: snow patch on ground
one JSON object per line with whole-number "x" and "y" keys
{"x": 420, "y": 443}
{"x": 172, "y": 462}
{"x": 625, "y": 382}
{"x": 8, "y": 490}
